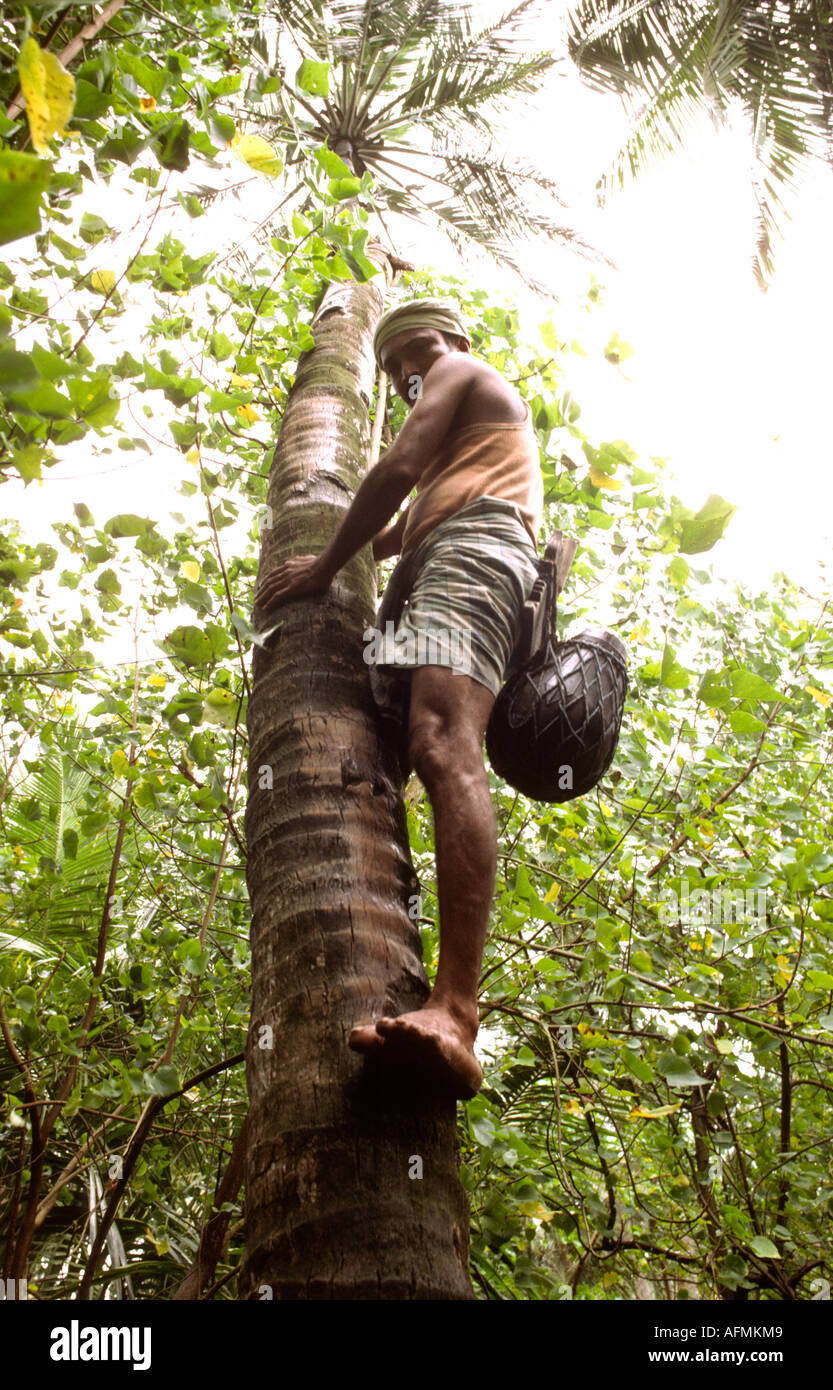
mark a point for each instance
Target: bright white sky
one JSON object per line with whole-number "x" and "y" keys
{"x": 731, "y": 385}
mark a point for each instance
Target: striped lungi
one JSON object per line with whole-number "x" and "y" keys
{"x": 454, "y": 601}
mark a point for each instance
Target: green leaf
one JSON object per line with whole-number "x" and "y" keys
{"x": 172, "y": 145}
{"x": 126, "y": 524}
{"x": 124, "y": 145}
{"x": 108, "y": 583}
{"x": 344, "y": 188}
{"x": 220, "y": 346}
{"x": 93, "y": 228}
{"x": 314, "y": 78}
{"x": 362, "y": 268}
{"x": 69, "y": 839}
{"x": 741, "y": 722}
{"x": 678, "y": 572}
{"x": 820, "y": 979}
{"x": 196, "y": 646}
{"x": 678, "y": 1071}
{"x": 711, "y": 692}
{"x": 191, "y": 204}
{"x": 29, "y": 461}
{"x": 17, "y": 372}
{"x": 707, "y": 526}
{"x": 96, "y": 400}
{"x": 764, "y": 1247}
{"x": 23, "y": 178}
{"x": 185, "y": 432}
{"x": 636, "y": 1066}
{"x": 672, "y": 673}
{"x": 153, "y": 80}
{"x": 221, "y": 707}
{"x": 163, "y": 1082}
{"x": 333, "y": 164}
{"x": 89, "y": 101}
{"x": 221, "y": 128}
{"x": 747, "y": 686}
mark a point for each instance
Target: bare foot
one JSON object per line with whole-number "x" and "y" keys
{"x": 430, "y": 1039}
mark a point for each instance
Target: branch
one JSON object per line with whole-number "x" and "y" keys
{"x": 213, "y": 1233}
{"x": 131, "y": 1154}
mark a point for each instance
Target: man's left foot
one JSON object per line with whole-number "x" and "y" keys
{"x": 432, "y": 1040}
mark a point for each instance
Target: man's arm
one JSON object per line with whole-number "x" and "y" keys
{"x": 383, "y": 489}
{"x": 389, "y": 541}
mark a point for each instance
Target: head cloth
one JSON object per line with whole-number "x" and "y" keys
{"x": 418, "y": 313}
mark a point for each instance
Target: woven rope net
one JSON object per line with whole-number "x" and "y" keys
{"x": 555, "y": 724}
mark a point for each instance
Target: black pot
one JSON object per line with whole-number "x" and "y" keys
{"x": 555, "y": 724}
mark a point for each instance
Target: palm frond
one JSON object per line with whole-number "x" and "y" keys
{"x": 671, "y": 63}
{"x": 430, "y": 64}
{"x": 63, "y": 914}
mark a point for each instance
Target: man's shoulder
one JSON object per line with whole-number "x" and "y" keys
{"x": 490, "y": 398}
{"x": 456, "y": 365}
{"x": 460, "y": 370}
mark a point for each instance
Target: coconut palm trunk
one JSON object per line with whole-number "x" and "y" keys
{"x": 352, "y": 1187}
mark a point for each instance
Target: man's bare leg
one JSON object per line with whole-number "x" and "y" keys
{"x": 448, "y": 718}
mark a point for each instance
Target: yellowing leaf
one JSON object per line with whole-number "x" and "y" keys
{"x": 189, "y": 569}
{"x": 599, "y": 479}
{"x": 49, "y": 91}
{"x": 102, "y": 281}
{"x": 147, "y": 103}
{"x": 159, "y": 682}
{"x": 241, "y": 381}
{"x": 584, "y": 1028}
{"x": 639, "y": 1112}
{"x": 248, "y": 413}
{"x": 258, "y": 154}
{"x": 573, "y": 1108}
{"x": 119, "y": 763}
{"x": 821, "y": 697}
{"x": 193, "y": 455}
{"x": 553, "y": 893}
{"x": 784, "y": 971}
{"x": 536, "y": 1209}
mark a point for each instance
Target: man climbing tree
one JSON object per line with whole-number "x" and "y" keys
{"x": 450, "y": 616}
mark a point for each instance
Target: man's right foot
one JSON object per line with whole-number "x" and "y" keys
{"x": 432, "y": 1041}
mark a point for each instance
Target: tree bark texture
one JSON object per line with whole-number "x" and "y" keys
{"x": 352, "y": 1182}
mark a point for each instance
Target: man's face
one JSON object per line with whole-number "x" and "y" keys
{"x": 407, "y": 358}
